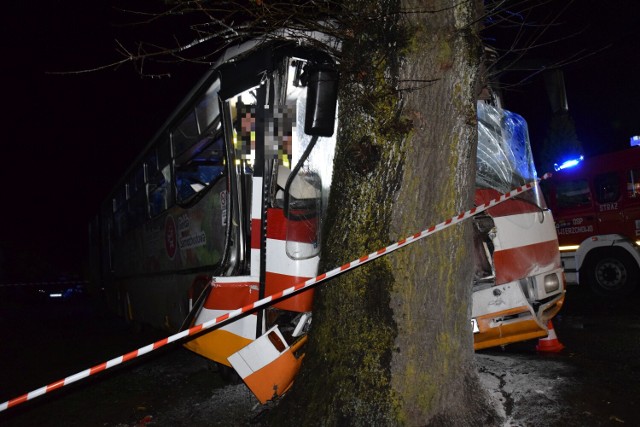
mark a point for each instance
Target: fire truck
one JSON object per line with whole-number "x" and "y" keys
{"x": 596, "y": 204}
{"x": 225, "y": 206}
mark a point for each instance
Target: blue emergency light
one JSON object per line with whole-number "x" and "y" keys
{"x": 635, "y": 141}
{"x": 568, "y": 164}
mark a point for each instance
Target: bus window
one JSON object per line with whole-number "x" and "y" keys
{"x": 607, "y": 187}
{"x": 159, "y": 191}
{"x": 120, "y": 210}
{"x": 208, "y": 109}
{"x": 185, "y": 134}
{"x": 573, "y": 194}
{"x": 199, "y": 167}
{"x": 137, "y": 198}
{"x": 633, "y": 183}
{"x": 159, "y": 176}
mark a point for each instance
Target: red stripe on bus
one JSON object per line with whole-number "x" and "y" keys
{"x": 301, "y": 302}
{"x": 506, "y": 208}
{"x": 293, "y": 230}
{"x": 517, "y": 263}
{"x": 255, "y": 233}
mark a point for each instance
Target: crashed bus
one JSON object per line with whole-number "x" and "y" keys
{"x": 519, "y": 283}
{"x": 225, "y": 206}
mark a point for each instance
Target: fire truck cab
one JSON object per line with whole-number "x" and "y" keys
{"x": 596, "y": 203}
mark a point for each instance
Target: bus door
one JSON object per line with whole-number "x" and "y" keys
{"x": 574, "y": 210}
{"x": 609, "y": 204}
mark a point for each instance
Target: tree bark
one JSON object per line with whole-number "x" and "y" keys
{"x": 391, "y": 342}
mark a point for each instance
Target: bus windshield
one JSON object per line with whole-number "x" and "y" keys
{"x": 504, "y": 157}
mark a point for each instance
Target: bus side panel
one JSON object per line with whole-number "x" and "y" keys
{"x": 187, "y": 238}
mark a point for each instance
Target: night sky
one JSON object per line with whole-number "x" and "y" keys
{"x": 67, "y": 138}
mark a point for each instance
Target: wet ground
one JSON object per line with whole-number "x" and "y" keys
{"x": 594, "y": 381}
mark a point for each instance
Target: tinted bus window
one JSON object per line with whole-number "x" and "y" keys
{"x": 208, "y": 109}
{"x": 159, "y": 170}
{"x": 607, "y": 188}
{"x": 185, "y": 134}
{"x": 199, "y": 167}
{"x": 573, "y": 194}
{"x": 120, "y": 210}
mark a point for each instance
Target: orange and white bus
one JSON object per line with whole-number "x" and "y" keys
{"x": 596, "y": 203}
{"x": 225, "y": 206}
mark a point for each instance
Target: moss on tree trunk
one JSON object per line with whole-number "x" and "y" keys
{"x": 391, "y": 342}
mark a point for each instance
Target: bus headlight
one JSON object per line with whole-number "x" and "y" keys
{"x": 551, "y": 283}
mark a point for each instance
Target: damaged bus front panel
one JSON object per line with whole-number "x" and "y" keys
{"x": 518, "y": 283}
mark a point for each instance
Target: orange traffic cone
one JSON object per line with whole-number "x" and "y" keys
{"x": 550, "y": 343}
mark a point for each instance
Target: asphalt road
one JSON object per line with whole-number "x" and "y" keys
{"x": 594, "y": 381}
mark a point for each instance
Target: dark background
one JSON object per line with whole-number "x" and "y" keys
{"x": 67, "y": 138}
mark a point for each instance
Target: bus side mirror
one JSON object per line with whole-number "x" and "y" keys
{"x": 322, "y": 98}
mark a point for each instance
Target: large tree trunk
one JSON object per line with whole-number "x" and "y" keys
{"x": 391, "y": 342}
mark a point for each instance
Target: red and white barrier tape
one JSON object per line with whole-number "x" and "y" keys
{"x": 267, "y": 300}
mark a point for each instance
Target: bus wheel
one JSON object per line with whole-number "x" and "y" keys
{"x": 612, "y": 273}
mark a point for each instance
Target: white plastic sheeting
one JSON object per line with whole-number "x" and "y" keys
{"x": 504, "y": 157}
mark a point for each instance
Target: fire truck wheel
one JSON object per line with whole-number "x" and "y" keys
{"x": 612, "y": 273}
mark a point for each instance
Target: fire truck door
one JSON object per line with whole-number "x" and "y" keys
{"x": 575, "y": 217}
{"x": 608, "y": 202}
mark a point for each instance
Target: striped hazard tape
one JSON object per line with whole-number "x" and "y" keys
{"x": 218, "y": 321}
